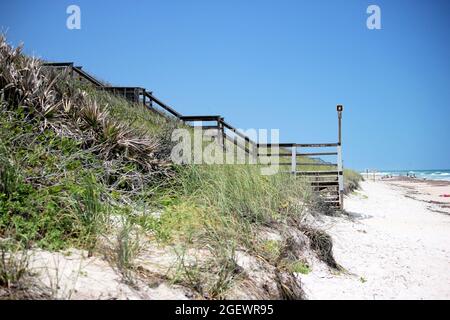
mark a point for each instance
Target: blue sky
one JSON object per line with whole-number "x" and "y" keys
{"x": 271, "y": 64}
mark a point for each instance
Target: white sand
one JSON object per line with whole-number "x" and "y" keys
{"x": 394, "y": 247}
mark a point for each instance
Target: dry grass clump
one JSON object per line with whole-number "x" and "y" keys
{"x": 322, "y": 244}
{"x": 351, "y": 181}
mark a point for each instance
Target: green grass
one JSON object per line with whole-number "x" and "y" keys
{"x": 299, "y": 267}
{"x": 48, "y": 193}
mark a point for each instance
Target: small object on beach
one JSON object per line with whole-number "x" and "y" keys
{"x": 445, "y": 195}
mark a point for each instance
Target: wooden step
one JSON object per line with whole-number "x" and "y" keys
{"x": 333, "y": 203}
{"x": 318, "y": 173}
{"x": 324, "y": 183}
{"x": 325, "y": 188}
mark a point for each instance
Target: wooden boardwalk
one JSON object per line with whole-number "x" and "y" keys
{"x": 326, "y": 178}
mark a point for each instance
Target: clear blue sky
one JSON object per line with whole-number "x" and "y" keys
{"x": 271, "y": 64}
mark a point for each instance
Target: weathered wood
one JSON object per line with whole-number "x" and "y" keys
{"x": 206, "y": 127}
{"x": 237, "y": 132}
{"x": 317, "y": 154}
{"x": 294, "y": 160}
{"x": 200, "y": 118}
{"x": 282, "y": 145}
{"x": 312, "y": 173}
{"x": 236, "y": 143}
{"x": 88, "y": 77}
{"x": 276, "y": 154}
{"x": 58, "y": 64}
{"x": 321, "y": 181}
{"x": 316, "y": 145}
{"x": 163, "y": 105}
{"x": 324, "y": 183}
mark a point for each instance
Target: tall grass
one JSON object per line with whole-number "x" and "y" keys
{"x": 351, "y": 180}
{"x": 13, "y": 263}
{"x": 242, "y": 191}
{"x": 91, "y": 211}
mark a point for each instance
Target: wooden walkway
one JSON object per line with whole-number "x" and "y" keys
{"x": 326, "y": 178}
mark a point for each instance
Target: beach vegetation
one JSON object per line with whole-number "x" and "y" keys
{"x": 78, "y": 165}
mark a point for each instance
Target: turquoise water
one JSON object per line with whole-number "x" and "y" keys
{"x": 420, "y": 174}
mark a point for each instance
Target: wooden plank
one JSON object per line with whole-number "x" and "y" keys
{"x": 317, "y": 154}
{"x": 276, "y": 154}
{"x": 125, "y": 88}
{"x": 341, "y": 173}
{"x": 312, "y": 173}
{"x": 294, "y": 160}
{"x": 200, "y": 118}
{"x": 58, "y": 64}
{"x": 237, "y": 132}
{"x": 206, "y": 127}
{"x": 243, "y": 147}
{"x": 300, "y": 145}
{"x": 325, "y": 183}
{"x": 316, "y": 145}
{"x": 88, "y": 77}
{"x": 163, "y": 105}
{"x": 285, "y": 145}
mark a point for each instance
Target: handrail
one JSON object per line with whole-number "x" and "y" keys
{"x": 162, "y": 105}
{"x": 201, "y": 118}
{"x": 302, "y": 145}
{"x": 246, "y": 138}
{"x": 282, "y": 145}
{"x": 222, "y": 125}
{"x": 57, "y": 64}
{"x": 302, "y": 154}
{"x": 123, "y": 88}
{"x": 88, "y": 76}
{"x": 76, "y": 69}
{"x": 236, "y": 143}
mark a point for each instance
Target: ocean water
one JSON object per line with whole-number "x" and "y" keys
{"x": 420, "y": 174}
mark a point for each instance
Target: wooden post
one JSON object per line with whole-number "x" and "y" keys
{"x": 294, "y": 159}
{"x": 253, "y": 156}
{"x": 221, "y": 132}
{"x": 339, "y": 160}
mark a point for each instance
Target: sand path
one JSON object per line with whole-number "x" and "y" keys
{"x": 393, "y": 247}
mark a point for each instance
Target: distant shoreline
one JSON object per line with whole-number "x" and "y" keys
{"x": 417, "y": 175}
{"x": 431, "y": 182}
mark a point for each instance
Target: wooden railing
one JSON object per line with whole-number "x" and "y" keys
{"x": 328, "y": 181}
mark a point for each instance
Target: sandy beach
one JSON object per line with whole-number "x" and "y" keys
{"x": 394, "y": 244}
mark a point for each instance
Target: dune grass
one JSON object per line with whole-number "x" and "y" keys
{"x": 351, "y": 180}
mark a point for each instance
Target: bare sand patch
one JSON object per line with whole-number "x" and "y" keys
{"x": 392, "y": 247}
